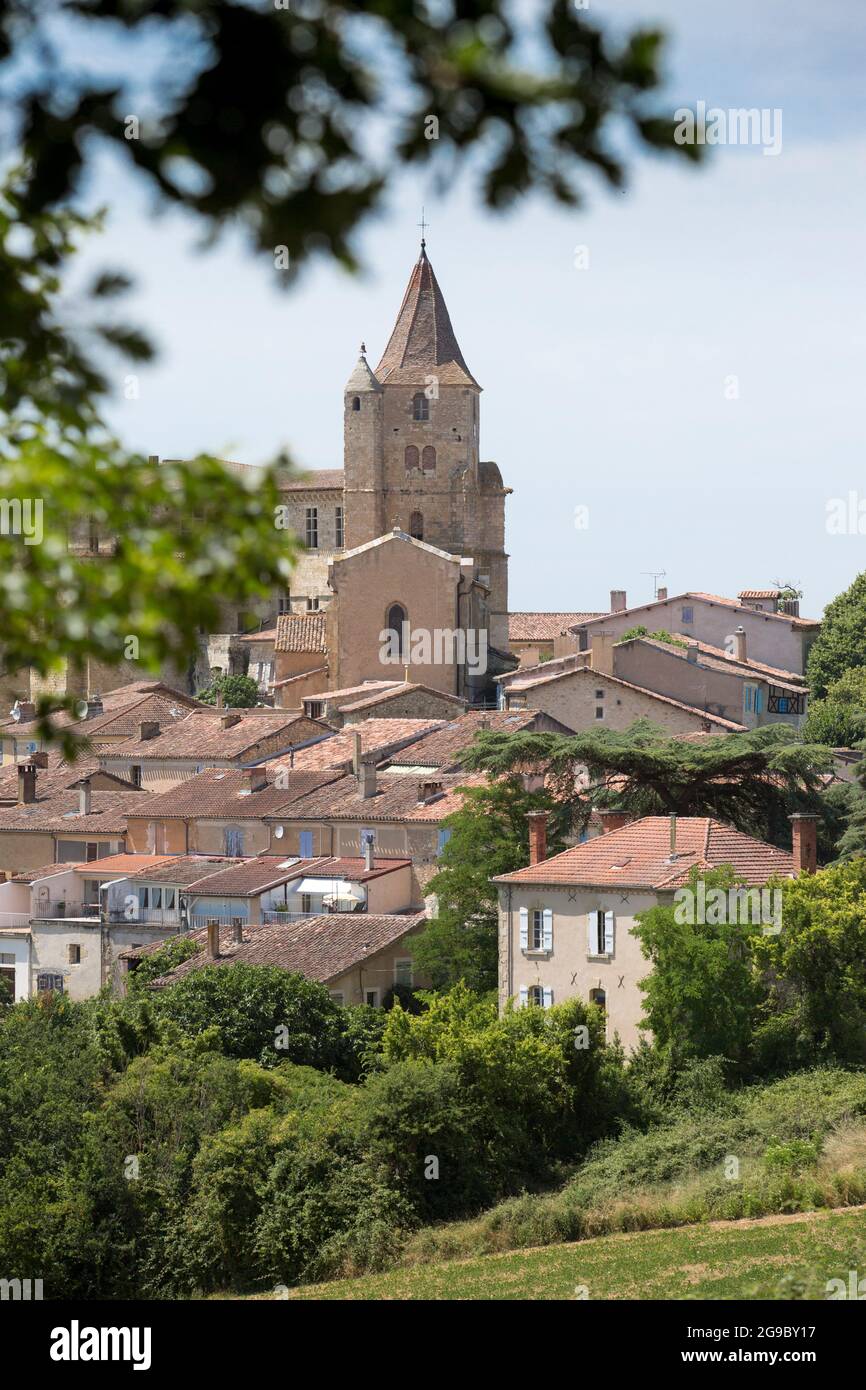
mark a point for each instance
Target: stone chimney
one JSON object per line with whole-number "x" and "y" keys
{"x": 84, "y": 797}
{"x": 26, "y": 783}
{"x": 368, "y": 851}
{"x": 220, "y": 701}
{"x": 228, "y": 721}
{"x": 805, "y": 846}
{"x": 367, "y": 780}
{"x": 256, "y": 778}
{"x": 617, "y": 600}
{"x": 213, "y": 938}
{"x": 429, "y": 789}
{"x": 612, "y": 820}
{"x": 537, "y": 836}
{"x": 601, "y": 653}
{"x": 356, "y": 752}
{"x": 148, "y": 728}
{"x": 740, "y": 643}
{"x": 662, "y": 594}
{"x": 673, "y": 836}
{"x": 237, "y": 931}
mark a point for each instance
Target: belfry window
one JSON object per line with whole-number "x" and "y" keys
{"x": 420, "y": 407}
{"x": 412, "y": 457}
{"x": 416, "y": 526}
{"x": 356, "y": 402}
{"x": 428, "y": 458}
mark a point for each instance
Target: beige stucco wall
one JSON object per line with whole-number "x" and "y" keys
{"x": 696, "y": 684}
{"x": 568, "y": 969}
{"x": 376, "y": 973}
{"x": 572, "y": 700}
{"x": 768, "y": 638}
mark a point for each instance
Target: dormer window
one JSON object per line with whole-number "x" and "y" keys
{"x": 420, "y": 407}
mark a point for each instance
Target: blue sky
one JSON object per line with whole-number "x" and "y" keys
{"x": 605, "y": 388}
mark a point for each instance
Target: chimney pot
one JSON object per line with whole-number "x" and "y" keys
{"x": 368, "y": 852}
{"x": 356, "y": 752}
{"x": 84, "y": 797}
{"x": 537, "y": 836}
{"x": 257, "y": 778}
{"x": 213, "y": 938}
{"x": 26, "y": 783}
{"x": 617, "y": 600}
{"x": 238, "y": 931}
{"x": 740, "y": 643}
{"x": 662, "y": 594}
{"x": 367, "y": 780}
{"x": 805, "y": 841}
{"x": 673, "y": 836}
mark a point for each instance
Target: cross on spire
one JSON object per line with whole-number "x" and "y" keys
{"x": 423, "y": 225}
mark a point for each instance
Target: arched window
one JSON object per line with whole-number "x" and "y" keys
{"x": 411, "y": 456}
{"x": 398, "y": 627}
{"x": 420, "y": 407}
{"x": 416, "y": 526}
{"x": 428, "y": 458}
{"x": 356, "y": 403}
{"x": 599, "y": 998}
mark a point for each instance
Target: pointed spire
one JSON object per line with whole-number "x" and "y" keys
{"x": 423, "y": 342}
{"x": 362, "y": 379}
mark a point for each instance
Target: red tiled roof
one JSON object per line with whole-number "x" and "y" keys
{"x": 639, "y": 856}
{"x": 322, "y": 948}
{"x": 202, "y": 736}
{"x": 300, "y": 632}
{"x": 396, "y": 799}
{"x": 225, "y": 792}
{"x": 444, "y": 747}
{"x": 383, "y": 737}
{"x": 394, "y": 692}
{"x": 317, "y": 478}
{"x": 717, "y": 659}
{"x": 422, "y": 338}
{"x": 759, "y": 593}
{"x": 543, "y": 627}
{"x": 57, "y": 811}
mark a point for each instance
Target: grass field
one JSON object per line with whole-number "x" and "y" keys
{"x": 776, "y": 1257}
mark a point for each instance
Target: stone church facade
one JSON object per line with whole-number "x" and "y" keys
{"x": 411, "y": 467}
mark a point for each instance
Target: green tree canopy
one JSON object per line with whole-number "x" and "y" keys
{"x": 489, "y": 835}
{"x": 238, "y": 692}
{"x": 752, "y": 780}
{"x": 841, "y": 643}
{"x": 839, "y": 719}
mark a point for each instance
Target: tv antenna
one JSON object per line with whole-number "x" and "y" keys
{"x": 655, "y": 576}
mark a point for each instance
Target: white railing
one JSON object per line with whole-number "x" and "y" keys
{"x": 14, "y": 919}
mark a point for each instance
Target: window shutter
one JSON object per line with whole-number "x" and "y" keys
{"x": 548, "y": 998}
{"x": 590, "y": 931}
{"x": 524, "y": 929}
{"x": 608, "y": 933}
{"x": 524, "y": 996}
{"x": 547, "y": 929}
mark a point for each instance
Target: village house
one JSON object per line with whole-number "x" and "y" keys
{"x": 102, "y": 720}
{"x": 566, "y": 923}
{"x": 161, "y": 758}
{"x": 536, "y": 637}
{"x": 379, "y": 739}
{"x": 63, "y": 824}
{"x": 581, "y": 698}
{"x": 382, "y": 699}
{"x": 780, "y": 639}
{"x": 360, "y": 958}
{"x": 444, "y": 748}
{"x": 709, "y": 678}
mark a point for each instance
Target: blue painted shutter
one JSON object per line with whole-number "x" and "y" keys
{"x": 524, "y": 929}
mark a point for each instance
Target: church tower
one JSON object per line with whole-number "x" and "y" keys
{"x": 412, "y": 432}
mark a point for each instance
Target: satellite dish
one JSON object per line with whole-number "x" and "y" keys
{"x": 16, "y": 713}
{"x": 81, "y": 709}
{"x": 279, "y": 832}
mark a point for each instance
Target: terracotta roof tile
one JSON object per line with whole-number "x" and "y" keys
{"x": 707, "y": 598}
{"x": 543, "y": 627}
{"x": 202, "y": 736}
{"x": 638, "y": 856}
{"x": 57, "y": 811}
{"x": 444, "y": 747}
{"x": 599, "y": 677}
{"x": 322, "y": 948}
{"x": 422, "y": 338}
{"x": 223, "y": 792}
{"x": 300, "y": 632}
{"x": 382, "y": 737}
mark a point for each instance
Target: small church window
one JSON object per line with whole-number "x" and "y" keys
{"x": 356, "y": 403}
{"x": 412, "y": 457}
{"x": 420, "y": 407}
{"x": 416, "y": 526}
{"x": 398, "y": 625}
{"x": 428, "y": 458}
